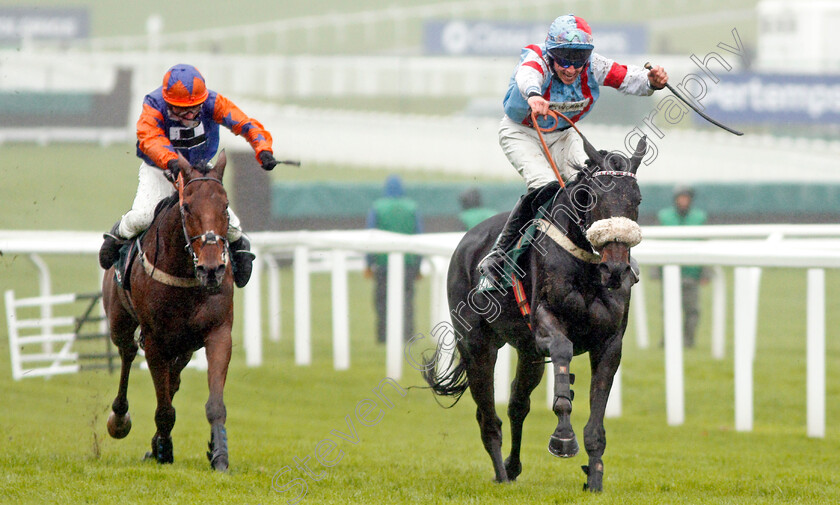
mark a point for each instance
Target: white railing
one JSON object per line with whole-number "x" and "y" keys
{"x": 375, "y": 30}
{"x": 811, "y": 247}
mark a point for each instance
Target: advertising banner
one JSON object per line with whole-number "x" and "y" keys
{"x": 43, "y": 23}
{"x": 507, "y": 38}
{"x": 774, "y": 98}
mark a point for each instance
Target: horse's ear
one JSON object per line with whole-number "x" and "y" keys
{"x": 641, "y": 149}
{"x": 221, "y": 161}
{"x": 184, "y": 166}
{"x": 596, "y": 157}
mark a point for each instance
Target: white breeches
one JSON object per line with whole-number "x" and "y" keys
{"x": 521, "y": 144}
{"x": 152, "y": 188}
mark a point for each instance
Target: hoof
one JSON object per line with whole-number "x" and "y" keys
{"x": 118, "y": 427}
{"x": 594, "y": 480}
{"x": 513, "y": 469}
{"x": 162, "y": 450}
{"x": 563, "y": 447}
{"x": 218, "y": 449}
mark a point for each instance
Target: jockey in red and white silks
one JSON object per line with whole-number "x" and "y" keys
{"x": 535, "y": 76}
{"x": 562, "y": 70}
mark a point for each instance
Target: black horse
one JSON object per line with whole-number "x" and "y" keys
{"x": 577, "y": 277}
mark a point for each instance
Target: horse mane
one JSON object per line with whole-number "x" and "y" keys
{"x": 165, "y": 204}
{"x": 202, "y": 167}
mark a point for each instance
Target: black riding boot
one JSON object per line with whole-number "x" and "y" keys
{"x": 109, "y": 253}
{"x": 492, "y": 265}
{"x": 242, "y": 258}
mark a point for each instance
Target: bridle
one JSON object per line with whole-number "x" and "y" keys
{"x": 579, "y": 219}
{"x": 208, "y": 237}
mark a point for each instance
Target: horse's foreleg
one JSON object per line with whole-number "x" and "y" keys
{"x": 529, "y": 371}
{"x": 604, "y": 365}
{"x": 551, "y": 340}
{"x": 218, "y": 349}
{"x": 175, "y": 368}
{"x": 159, "y": 367}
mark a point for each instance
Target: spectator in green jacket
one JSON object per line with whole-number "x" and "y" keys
{"x": 683, "y": 214}
{"x": 472, "y": 212}
{"x": 397, "y": 213}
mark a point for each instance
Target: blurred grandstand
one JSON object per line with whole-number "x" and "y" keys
{"x": 377, "y": 86}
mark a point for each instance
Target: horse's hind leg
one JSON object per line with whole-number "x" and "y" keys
{"x": 480, "y": 376}
{"x": 122, "y": 334}
{"x": 529, "y": 372}
{"x": 218, "y": 348}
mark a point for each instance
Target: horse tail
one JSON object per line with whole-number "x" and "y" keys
{"x": 453, "y": 379}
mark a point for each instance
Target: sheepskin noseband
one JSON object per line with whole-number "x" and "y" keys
{"x": 614, "y": 229}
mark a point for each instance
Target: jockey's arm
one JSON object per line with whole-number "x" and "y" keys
{"x": 231, "y": 117}
{"x": 152, "y": 139}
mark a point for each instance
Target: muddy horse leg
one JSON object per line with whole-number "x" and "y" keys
{"x": 552, "y": 341}
{"x": 122, "y": 335}
{"x": 604, "y": 365}
{"x": 529, "y": 370}
{"x": 159, "y": 367}
{"x": 218, "y": 348}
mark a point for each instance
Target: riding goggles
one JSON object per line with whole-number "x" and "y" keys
{"x": 566, "y": 58}
{"x": 185, "y": 112}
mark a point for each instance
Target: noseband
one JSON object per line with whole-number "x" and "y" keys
{"x": 614, "y": 229}
{"x": 208, "y": 237}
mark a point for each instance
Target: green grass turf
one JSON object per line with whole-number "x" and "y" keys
{"x": 54, "y": 447}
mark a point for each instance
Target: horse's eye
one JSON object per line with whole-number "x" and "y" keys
{"x": 186, "y": 208}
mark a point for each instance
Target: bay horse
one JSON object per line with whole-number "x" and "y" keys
{"x": 577, "y": 277}
{"x": 181, "y": 296}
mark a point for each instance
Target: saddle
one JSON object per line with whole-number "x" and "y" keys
{"x": 512, "y": 269}
{"x": 122, "y": 267}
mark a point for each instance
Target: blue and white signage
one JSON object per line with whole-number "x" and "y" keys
{"x": 774, "y": 98}
{"x": 506, "y": 38}
{"x": 18, "y": 23}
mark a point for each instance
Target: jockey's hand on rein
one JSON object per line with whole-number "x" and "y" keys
{"x": 171, "y": 172}
{"x": 267, "y": 161}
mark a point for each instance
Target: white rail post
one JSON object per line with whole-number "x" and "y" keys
{"x": 45, "y": 290}
{"x": 14, "y": 347}
{"x": 394, "y": 325}
{"x": 252, "y": 319}
{"x": 303, "y": 329}
{"x": 816, "y": 352}
{"x": 719, "y": 313}
{"x": 435, "y": 291}
{"x": 340, "y": 311}
{"x": 743, "y": 355}
{"x": 614, "y": 400}
{"x": 640, "y": 315}
{"x": 672, "y": 302}
{"x": 275, "y": 301}
{"x": 501, "y": 375}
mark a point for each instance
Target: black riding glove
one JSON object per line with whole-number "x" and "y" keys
{"x": 171, "y": 172}
{"x": 267, "y": 161}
